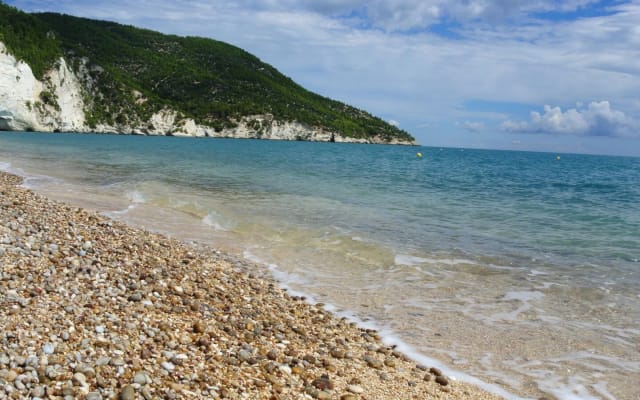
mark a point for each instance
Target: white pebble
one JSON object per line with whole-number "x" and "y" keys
{"x": 355, "y": 389}
{"x": 48, "y": 348}
{"x": 285, "y": 368}
{"x": 168, "y": 366}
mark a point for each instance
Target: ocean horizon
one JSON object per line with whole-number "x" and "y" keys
{"x": 517, "y": 271}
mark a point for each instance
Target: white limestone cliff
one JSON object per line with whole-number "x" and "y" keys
{"x": 57, "y": 104}
{"x": 21, "y": 97}
{"x": 18, "y": 89}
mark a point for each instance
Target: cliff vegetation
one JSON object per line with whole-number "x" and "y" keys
{"x": 132, "y": 73}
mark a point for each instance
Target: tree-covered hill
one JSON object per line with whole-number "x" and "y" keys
{"x": 139, "y": 72}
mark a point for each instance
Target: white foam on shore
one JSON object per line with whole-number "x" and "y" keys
{"x": 403, "y": 259}
{"x": 118, "y": 213}
{"x": 389, "y": 337}
{"x": 601, "y": 388}
{"x": 213, "y": 219}
{"x": 575, "y": 389}
{"x": 409, "y": 260}
{"x": 524, "y": 296}
{"x": 136, "y": 197}
{"x": 283, "y": 278}
{"x": 29, "y": 181}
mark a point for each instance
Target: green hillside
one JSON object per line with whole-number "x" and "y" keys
{"x": 210, "y": 81}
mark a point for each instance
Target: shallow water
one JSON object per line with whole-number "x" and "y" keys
{"x": 515, "y": 268}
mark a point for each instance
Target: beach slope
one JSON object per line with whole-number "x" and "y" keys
{"x": 92, "y": 308}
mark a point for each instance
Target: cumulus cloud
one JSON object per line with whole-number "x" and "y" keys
{"x": 393, "y": 122}
{"x": 597, "y": 119}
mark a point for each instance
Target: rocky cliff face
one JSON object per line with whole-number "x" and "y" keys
{"x": 57, "y": 103}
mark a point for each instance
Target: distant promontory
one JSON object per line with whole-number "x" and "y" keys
{"x": 70, "y": 74}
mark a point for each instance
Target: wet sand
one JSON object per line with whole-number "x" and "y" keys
{"x": 92, "y": 308}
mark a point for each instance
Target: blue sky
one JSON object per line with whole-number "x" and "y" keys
{"x": 543, "y": 75}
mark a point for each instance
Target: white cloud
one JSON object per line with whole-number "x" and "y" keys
{"x": 393, "y": 122}
{"x": 597, "y": 119}
{"x": 389, "y": 15}
{"x": 400, "y": 15}
{"x": 473, "y": 126}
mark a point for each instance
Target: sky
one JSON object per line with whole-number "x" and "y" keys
{"x": 543, "y": 75}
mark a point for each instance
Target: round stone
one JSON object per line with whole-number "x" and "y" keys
{"x": 48, "y": 348}
{"x": 94, "y": 396}
{"x": 355, "y": 389}
{"x": 141, "y": 378}
{"x": 168, "y": 366}
{"x": 127, "y": 393}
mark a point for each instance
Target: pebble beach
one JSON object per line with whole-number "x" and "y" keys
{"x": 91, "y": 308}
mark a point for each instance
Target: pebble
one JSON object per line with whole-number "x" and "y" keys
{"x": 442, "y": 380}
{"x": 323, "y": 383}
{"x": 199, "y": 327}
{"x": 104, "y": 360}
{"x": 169, "y": 366}
{"x": 48, "y": 348}
{"x": 141, "y": 378}
{"x": 244, "y": 355}
{"x": 94, "y": 396}
{"x": 357, "y": 389}
{"x": 337, "y": 353}
{"x": 127, "y": 393}
{"x": 373, "y": 362}
{"x": 285, "y": 369}
{"x": 38, "y": 391}
{"x": 10, "y": 375}
{"x": 272, "y": 354}
{"x": 323, "y": 395}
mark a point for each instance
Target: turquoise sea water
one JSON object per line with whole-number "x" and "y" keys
{"x": 520, "y": 269}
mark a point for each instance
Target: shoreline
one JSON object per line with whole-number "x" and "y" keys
{"x": 97, "y": 309}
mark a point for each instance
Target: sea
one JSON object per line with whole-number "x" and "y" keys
{"x": 515, "y": 271}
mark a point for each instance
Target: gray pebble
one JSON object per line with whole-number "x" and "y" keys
{"x": 94, "y": 396}
{"x": 48, "y": 348}
{"x": 244, "y": 355}
{"x": 103, "y": 361}
{"x": 141, "y": 378}
{"x": 127, "y": 393}
{"x": 168, "y": 366}
{"x": 38, "y": 391}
